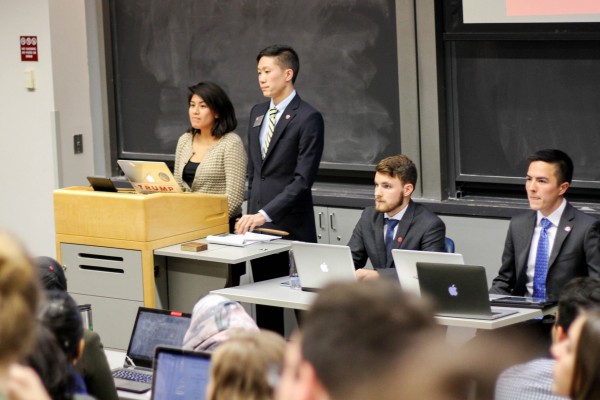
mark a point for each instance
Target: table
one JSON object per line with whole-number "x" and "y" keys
{"x": 273, "y": 293}
{"x": 218, "y": 253}
{"x": 192, "y": 275}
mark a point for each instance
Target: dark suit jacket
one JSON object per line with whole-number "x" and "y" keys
{"x": 419, "y": 229}
{"x": 575, "y": 252}
{"x": 281, "y": 183}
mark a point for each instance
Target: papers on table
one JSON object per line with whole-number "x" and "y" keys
{"x": 246, "y": 239}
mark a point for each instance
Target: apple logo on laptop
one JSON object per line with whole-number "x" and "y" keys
{"x": 149, "y": 178}
{"x": 453, "y": 290}
{"x": 324, "y": 267}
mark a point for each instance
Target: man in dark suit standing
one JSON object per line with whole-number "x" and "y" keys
{"x": 395, "y": 222}
{"x": 554, "y": 242}
{"x": 285, "y": 144}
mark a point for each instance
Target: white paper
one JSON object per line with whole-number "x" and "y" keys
{"x": 246, "y": 239}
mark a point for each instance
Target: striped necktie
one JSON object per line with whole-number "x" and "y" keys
{"x": 270, "y": 130}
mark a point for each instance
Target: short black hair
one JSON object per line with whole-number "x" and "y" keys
{"x": 579, "y": 294}
{"x": 286, "y": 57}
{"x": 560, "y": 158}
{"x": 217, "y": 100}
{"x": 51, "y": 274}
{"x": 60, "y": 314}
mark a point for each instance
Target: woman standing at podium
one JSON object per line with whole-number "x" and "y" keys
{"x": 210, "y": 157}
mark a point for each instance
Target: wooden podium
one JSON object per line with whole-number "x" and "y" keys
{"x": 106, "y": 241}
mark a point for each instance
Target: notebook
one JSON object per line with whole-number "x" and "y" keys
{"x": 180, "y": 374}
{"x": 320, "y": 264}
{"x": 152, "y": 328}
{"x": 149, "y": 176}
{"x": 458, "y": 290}
{"x": 406, "y": 265}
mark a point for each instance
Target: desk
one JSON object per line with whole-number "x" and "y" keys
{"x": 116, "y": 359}
{"x": 192, "y": 275}
{"x": 218, "y": 253}
{"x": 272, "y": 293}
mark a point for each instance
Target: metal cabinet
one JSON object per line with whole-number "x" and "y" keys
{"x": 335, "y": 225}
{"x": 110, "y": 280}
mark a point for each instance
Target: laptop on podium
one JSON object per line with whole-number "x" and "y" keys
{"x": 149, "y": 176}
{"x": 458, "y": 291}
{"x": 320, "y": 264}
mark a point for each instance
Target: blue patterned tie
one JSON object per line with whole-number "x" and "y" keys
{"x": 541, "y": 262}
{"x": 389, "y": 235}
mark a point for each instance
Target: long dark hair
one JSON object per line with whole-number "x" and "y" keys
{"x": 217, "y": 100}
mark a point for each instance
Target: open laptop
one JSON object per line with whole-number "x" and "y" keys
{"x": 406, "y": 265}
{"x": 320, "y": 264}
{"x": 458, "y": 290}
{"x": 152, "y": 328}
{"x": 180, "y": 374}
{"x": 149, "y": 176}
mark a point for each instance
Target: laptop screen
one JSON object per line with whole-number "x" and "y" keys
{"x": 156, "y": 328}
{"x": 180, "y": 374}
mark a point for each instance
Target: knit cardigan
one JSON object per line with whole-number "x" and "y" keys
{"x": 223, "y": 170}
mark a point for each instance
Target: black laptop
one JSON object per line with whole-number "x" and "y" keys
{"x": 458, "y": 290}
{"x": 152, "y": 328}
{"x": 525, "y": 302}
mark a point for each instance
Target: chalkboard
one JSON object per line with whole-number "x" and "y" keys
{"x": 513, "y": 97}
{"x": 348, "y": 68}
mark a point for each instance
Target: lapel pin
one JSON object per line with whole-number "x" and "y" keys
{"x": 258, "y": 121}
{"x": 568, "y": 229}
{"x": 400, "y": 239}
{"x": 287, "y": 116}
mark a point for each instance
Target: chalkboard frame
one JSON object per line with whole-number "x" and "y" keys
{"x": 455, "y": 31}
{"x": 390, "y": 84}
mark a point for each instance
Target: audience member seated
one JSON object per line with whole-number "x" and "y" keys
{"x": 19, "y": 296}
{"x": 92, "y": 365}
{"x": 395, "y": 222}
{"x": 49, "y": 361}
{"x": 533, "y": 380}
{"x": 360, "y": 341}
{"x": 60, "y": 314}
{"x": 213, "y": 318}
{"x": 247, "y": 366}
{"x": 576, "y": 371}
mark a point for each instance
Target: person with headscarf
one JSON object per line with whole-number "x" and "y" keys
{"x": 213, "y": 319}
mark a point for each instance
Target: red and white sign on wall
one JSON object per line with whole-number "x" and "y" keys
{"x": 29, "y": 48}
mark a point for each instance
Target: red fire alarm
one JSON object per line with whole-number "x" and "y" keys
{"x": 29, "y": 48}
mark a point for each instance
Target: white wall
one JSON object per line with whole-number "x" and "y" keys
{"x": 32, "y": 163}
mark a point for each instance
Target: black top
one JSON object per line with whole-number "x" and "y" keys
{"x": 189, "y": 172}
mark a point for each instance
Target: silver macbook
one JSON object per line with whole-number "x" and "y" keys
{"x": 320, "y": 264}
{"x": 406, "y": 265}
{"x": 458, "y": 290}
{"x": 149, "y": 176}
{"x": 180, "y": 374}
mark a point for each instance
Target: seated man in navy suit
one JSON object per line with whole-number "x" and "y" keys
{"x": 395, "y": 222}
{"x": 552, "y": 243}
